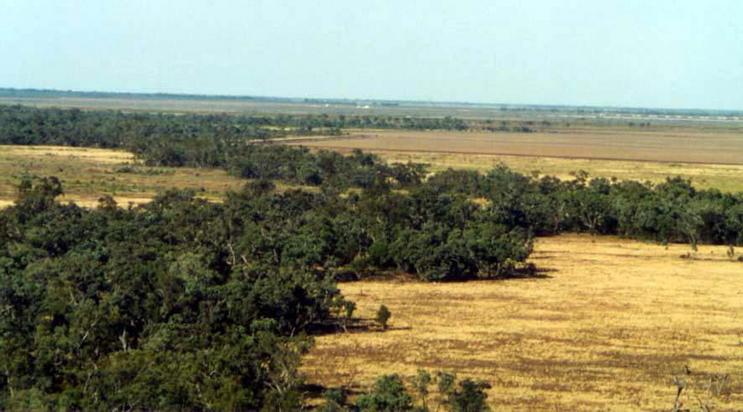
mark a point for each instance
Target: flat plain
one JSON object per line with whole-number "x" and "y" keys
{"x": 661, "y": 144}
{"x": 607, "y": 327}
{"x": 712, "y": 157}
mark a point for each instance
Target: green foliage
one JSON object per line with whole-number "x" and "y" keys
{"x": 388, "y": 395}
{"x": 445, "y": 382}
{"x": 470, "y": 396}
{"x": 348, "y": 309}
{"x": 182, "y": 303}
{"x": 383, "y": 316}
{"x": 335, "y": 400}
{"x": 147, "y": 308}
{"x": 421, "y": 382}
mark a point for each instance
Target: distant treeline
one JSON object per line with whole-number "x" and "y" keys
{"x": 74, "y": 127}
{"x": 156, "y": 135}
{"x": 673, "y": 211}
{"x": 516, "y": 108}
{"x": 136, "y": 131}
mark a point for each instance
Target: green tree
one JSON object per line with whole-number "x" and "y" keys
{"x": 470, "y": 396}
{"x": 383, "y": 316}
{"x": 387, "y": 395}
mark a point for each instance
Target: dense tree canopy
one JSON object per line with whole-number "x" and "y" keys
{"x": 146, "y": 308}
{"x": 190, "y": 304}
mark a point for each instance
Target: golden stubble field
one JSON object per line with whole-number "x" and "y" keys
{"x": 662, "y": 144}
{"x": 608, "y": 328}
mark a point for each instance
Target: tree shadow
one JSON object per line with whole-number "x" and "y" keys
{"x": 531, "y": 273}
{"x": 352, "y": 326}
{"x": 525, "y": 273}
{"x": 317, "y": 391}
{"x": 312, "y": 390}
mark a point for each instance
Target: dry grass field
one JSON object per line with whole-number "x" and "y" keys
{"x": 710, "y": 157}
{"x": 662, "y": 144}
{"x": 607, "y": 328}
{"x": 87, "y": 174}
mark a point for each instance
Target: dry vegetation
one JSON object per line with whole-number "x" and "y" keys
{"x": 87, "y": 174}
{"x": 712, "y": 158}
{"x": 665, "y": 144}
{"x": 608, "y": 328}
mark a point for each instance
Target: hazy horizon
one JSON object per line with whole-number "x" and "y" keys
{"x": 442, "y": 103}
{"x": 667, "y": 54}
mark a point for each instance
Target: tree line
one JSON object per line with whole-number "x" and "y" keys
{"x": 671, "y": 211}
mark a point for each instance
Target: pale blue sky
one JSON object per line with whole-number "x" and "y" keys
{"x": 653, "y": 53}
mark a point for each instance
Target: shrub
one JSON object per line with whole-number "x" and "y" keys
{"x": 383, "y": 316}
{"x": 335, "y": 400}
{"x": 388, "y": 395}
{"x": 469, "y": 397}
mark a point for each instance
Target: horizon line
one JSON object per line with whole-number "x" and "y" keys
{"x": 289, "y": 99}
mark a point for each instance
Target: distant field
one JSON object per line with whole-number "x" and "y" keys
{"x": 663, "y": 145}
{"x": 87, "y": 174}
{"x": 588, "y": 337}
{"x": 711, "y": 158}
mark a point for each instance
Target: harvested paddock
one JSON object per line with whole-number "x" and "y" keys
{"x": 607, "y": 328}
{"x": 692, "y": 145}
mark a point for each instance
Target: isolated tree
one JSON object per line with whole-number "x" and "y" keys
{"x": 335, "y": 400}
{"x": 421, "y": 382}
{"x": 470, "y": 396}
{"x": 383, "y": 316}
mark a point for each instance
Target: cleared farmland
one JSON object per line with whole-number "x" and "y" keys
{"x": 661, "y": 145}
{"x": 607, "y": 328}
{"x": 711, "y": 158}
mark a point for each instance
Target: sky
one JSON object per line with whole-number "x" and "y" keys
{"x": 639, "y": 53}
